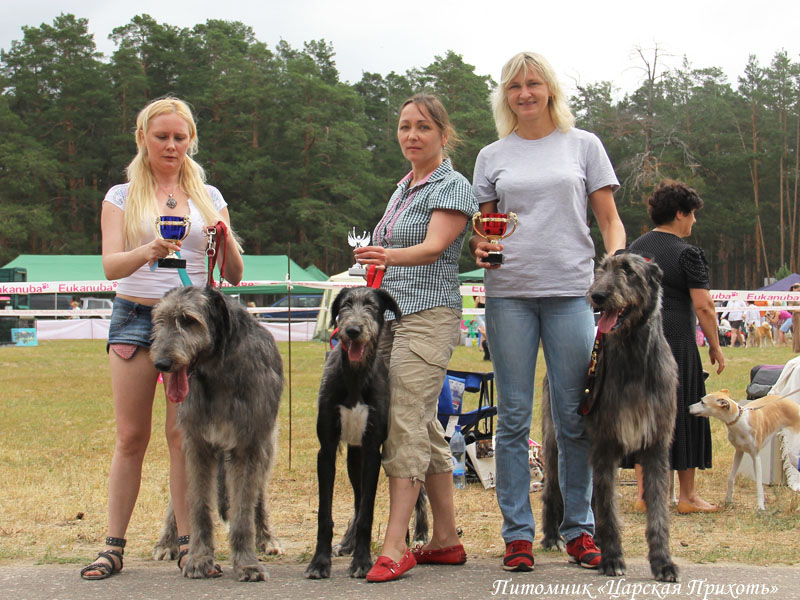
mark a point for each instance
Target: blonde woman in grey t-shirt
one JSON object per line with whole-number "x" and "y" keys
{"x": 549, "y": 174}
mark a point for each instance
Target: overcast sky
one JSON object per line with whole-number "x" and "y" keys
{"x": 585, "y": 41}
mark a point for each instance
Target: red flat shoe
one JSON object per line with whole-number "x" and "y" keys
{"x": 385, "y": 569}
{"x": 452, "y": 555}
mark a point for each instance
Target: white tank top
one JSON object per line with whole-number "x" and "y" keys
{"x": 144, "y": 283}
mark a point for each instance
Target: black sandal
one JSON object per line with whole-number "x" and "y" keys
{"x": 183, "y": 541}
{"x": 106, "y": 569}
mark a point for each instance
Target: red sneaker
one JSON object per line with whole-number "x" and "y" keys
{"x": 519, "y": 556}
{"x": 584, "y": 551}
{"x": 385, "y": 569}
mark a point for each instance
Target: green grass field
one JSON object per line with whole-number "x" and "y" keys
{"x": 57, "y": 436}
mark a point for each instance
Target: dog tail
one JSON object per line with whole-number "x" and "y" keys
{"x": 790, "y": 452}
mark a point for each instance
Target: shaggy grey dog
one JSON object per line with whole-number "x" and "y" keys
{"x": 632, "y": 410}
{"x": 552, "y": 502}
{"x": 229, "y": 414}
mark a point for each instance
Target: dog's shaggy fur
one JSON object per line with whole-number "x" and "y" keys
{"x": 354, "y": 409}
{"x": 552, "y": 501}
{"x": 230, "y": 413}
{"x": 750, "y": 427}
{"x": 634, "y": 404}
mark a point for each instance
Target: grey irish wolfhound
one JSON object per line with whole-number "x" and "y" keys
{"x": 353, "y": 406}
{"x": 229, "y": 415}
{"x": 632, "y": 404}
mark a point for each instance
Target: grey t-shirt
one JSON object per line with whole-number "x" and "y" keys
{"x": 547, "y": 183}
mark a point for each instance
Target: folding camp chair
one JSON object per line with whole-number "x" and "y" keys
{"x": 477, "y": 423}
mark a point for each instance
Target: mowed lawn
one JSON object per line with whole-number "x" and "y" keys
{"x": 57, "y": 436}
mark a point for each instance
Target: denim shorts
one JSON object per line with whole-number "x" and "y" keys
{"x": 130, "y": 324}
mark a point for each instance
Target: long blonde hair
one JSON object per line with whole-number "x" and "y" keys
{"x": 140, "y": 205}
{"x": 504, "y": 118}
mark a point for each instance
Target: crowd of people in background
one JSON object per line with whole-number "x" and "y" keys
{"x": 738, "y": 324}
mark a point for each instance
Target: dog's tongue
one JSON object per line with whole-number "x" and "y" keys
{"x": 177, "y": 385}
{"x": 354, "y": 351}
{"x": 607, "y": 320}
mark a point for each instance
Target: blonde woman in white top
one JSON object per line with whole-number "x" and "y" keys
{"x": 163, "y": 179}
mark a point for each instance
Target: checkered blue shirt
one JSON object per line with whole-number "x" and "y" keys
{"x": 405, "y": 223}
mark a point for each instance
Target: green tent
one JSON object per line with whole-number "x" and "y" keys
{"x": 273, "y": 268}
{"x": 72, "y": 267}
{"x": 476, "y": 275}
{"x": 315, "y": 271}
{"x": 83, "y": 267}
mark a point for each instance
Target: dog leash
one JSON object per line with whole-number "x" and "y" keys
{"x": 212, "y": 231}
{"x": 375, "y": 275}
{"x": 739, "y": 415}
{"x": 587, "y": 403}
{"x": 182, "y": 274}
{"x": 211, "y": 251}
{"x": 744, "y": 408}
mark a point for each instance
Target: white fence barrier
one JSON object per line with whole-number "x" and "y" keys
{"x": 97, "y": 329}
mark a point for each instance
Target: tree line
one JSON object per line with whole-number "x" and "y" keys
{"x": 302, "y": 157}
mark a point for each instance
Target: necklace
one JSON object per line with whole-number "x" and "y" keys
{"x": 171, "y": 202}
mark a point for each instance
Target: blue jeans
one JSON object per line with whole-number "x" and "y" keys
{"x": 565, "y": 327}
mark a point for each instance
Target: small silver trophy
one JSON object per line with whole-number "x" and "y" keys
{"x": 358, "y": 241}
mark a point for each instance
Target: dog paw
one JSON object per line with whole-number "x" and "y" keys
{"x": 554, "y": 543}
{"x": 165, "y": 552}
{"x": 318, "y": 568}
{"x": 667, "y": 572}
{"x": 419, "y": 540}
{"x": 250, "y": 572}
{"x": 359, "y": 568}
{"x": 342, "y": 549}
{"x": 269, "y": 545}
{"x": 200, "y": 567}
{"x": 612, "y": 567}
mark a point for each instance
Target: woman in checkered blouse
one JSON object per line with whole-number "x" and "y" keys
{"x": 419, "y": 241}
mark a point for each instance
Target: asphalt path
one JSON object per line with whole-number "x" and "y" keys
{"x": 478, "y": 579}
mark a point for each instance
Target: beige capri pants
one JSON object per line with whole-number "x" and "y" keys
{"x": 418, "y": 348}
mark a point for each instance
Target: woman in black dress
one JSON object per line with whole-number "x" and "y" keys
{"x": 672, "y": 207}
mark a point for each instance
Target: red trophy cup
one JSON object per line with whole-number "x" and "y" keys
{"x": 493, "y": 228}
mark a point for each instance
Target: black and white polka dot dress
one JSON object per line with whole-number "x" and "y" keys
{"x": 685, "y": 268}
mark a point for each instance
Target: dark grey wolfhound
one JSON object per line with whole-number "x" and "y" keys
{"x": 235, "y": 380}
{"x": 632, "y": 410}
{"x": 354, "y": 409}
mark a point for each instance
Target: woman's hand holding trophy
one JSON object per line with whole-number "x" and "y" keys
{"x": 172, "y": 229}
{"x": 493, "y": 229}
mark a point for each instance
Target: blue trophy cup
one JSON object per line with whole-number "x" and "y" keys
{"x": 172, "y": 229}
